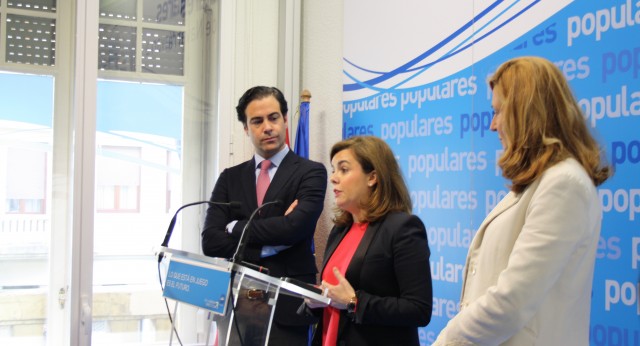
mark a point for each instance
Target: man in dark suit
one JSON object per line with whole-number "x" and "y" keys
{"x": 280, "y": 236}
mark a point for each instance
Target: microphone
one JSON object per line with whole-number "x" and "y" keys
{"x": 239, "y": 254}
{"x": 165, "y": 242}
{"x": 255, "y": 267}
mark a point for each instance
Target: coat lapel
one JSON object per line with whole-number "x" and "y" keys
{"x": 507, "y": 202}
{"x": 357, "y": 260}
{"x": 331, "y": 246}
{"x": 249, "y": 187}
{"x": 355, "y": 266}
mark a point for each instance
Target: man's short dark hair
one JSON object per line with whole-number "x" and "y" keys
{"x": 257, "y": 93}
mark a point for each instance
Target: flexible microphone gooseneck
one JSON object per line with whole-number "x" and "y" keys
{"x": 239, "y": 254}
{"x": 165, "y": 242}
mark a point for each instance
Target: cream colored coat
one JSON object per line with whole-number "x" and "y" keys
{"x": 529, "y": 269}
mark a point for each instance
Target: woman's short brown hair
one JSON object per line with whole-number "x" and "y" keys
{"x": 390, "y": 192}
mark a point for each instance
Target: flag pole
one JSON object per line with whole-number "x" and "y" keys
{"x": 305, "y": 96}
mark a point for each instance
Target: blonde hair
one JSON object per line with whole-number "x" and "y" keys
{"x": 390, "y": 192}
{"x": 542, "y": 123}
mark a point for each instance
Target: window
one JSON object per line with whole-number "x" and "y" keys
{"x": 25, "y": 196}
{"x": 118, "y": 179}
{"x": 151, "y": 42}
{"x": 26, "y": 181}
{"x": 140, "y": 107}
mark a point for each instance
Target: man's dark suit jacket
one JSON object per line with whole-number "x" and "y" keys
{"x": 391, "y": 275}
{"x": 296, "y": 178}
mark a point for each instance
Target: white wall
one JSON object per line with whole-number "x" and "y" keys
{"x": 322, "y": 44}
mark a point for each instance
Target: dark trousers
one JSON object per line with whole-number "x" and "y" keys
{"x": 288, "y": 335}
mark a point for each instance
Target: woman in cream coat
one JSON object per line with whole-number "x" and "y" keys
{"x": 529, "y": 269}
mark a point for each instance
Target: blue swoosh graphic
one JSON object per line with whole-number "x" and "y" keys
{"x": 458, "y": 49}
{"x": 409, "y": 67}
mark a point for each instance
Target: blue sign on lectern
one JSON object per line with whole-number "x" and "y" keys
{"x": 198, "y": 285}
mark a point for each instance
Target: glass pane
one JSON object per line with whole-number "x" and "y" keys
{"x": 117, "y": 48}
{"x": 163, "y": 52}
{"x": 118, "y": 9}
{"x": 139, "y": 131}
{"x": 25, "y": 216}
{"x": 30, "y": 40}
{"x": 40, "y": 5}
{"x": 164, "y": 11}
{"x": 118, "y": 181}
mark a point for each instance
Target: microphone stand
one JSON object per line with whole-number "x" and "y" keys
{"x": 239, "y": 254}
{"x": 238, "y": 259}
{"x": 165, "y": 242}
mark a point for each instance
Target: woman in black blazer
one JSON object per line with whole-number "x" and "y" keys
{"x": 376, "y": 264}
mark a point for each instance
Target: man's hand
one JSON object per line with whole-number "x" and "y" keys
{"x": 291, "y": 207}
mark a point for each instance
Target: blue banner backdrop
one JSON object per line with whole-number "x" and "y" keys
{"x": 419, "y": 82}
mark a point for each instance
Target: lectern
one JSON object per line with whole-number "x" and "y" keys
{"x": 241, "y": 299}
